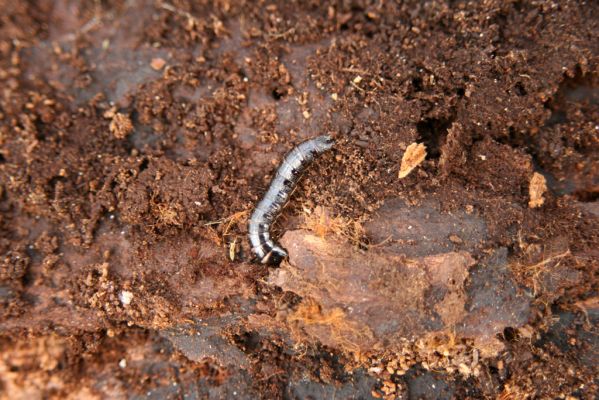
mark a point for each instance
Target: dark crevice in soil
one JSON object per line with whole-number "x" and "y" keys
{"x": 586, "y": 196}
{"x": 433, "y": 132}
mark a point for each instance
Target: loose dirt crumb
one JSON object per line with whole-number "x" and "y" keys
{"x": 121, "y": 126}
{"x": 536, "y": 189}
{"x": 414, "y": 155}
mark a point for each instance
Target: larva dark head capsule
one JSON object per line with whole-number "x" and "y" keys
{"x": 274, "y": 256}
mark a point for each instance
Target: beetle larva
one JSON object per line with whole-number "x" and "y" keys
{"x": 281, "y": 186}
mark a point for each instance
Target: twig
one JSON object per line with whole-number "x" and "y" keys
{"x": 175, "y": 10}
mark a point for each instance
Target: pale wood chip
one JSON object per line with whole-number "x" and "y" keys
{"x": 536, "y": 189}
{"x": 414, "y": 155}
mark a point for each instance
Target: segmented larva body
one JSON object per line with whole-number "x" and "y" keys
{"x": 281, "y": 187}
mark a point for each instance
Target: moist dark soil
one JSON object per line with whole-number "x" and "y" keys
{"x": 136, "y": 137}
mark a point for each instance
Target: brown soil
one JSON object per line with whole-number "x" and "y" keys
{"x": 136, "y": 136}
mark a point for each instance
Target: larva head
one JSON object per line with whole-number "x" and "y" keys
{"x": 275, "y": 256}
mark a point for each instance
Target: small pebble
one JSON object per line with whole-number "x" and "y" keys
{"x": 125, "y": 297}
{"x": 157, "y": 64}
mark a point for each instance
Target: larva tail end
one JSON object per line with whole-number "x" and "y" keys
{"x": 275, "y": 256}
{"x": 326, "y": 141}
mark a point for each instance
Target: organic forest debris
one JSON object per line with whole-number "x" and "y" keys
{"x": 181, "y": 309}
{"x": 536, "y": 189}
{"x": 413, "y": 156}
{"x": 120, "y": 126}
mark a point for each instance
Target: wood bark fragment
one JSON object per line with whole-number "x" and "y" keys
{"x": 414, "y": 155}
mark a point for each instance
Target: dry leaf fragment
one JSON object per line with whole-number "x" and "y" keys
{"x": 414, "y": 155}
{"x": 536, "y": 189}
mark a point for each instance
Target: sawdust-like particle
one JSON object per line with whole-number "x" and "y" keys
{"x": 168, "y": 214}
{"x": 536, "y": 189}
{"x": 414, "y": 155}
{"x": 120, "y": 126}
